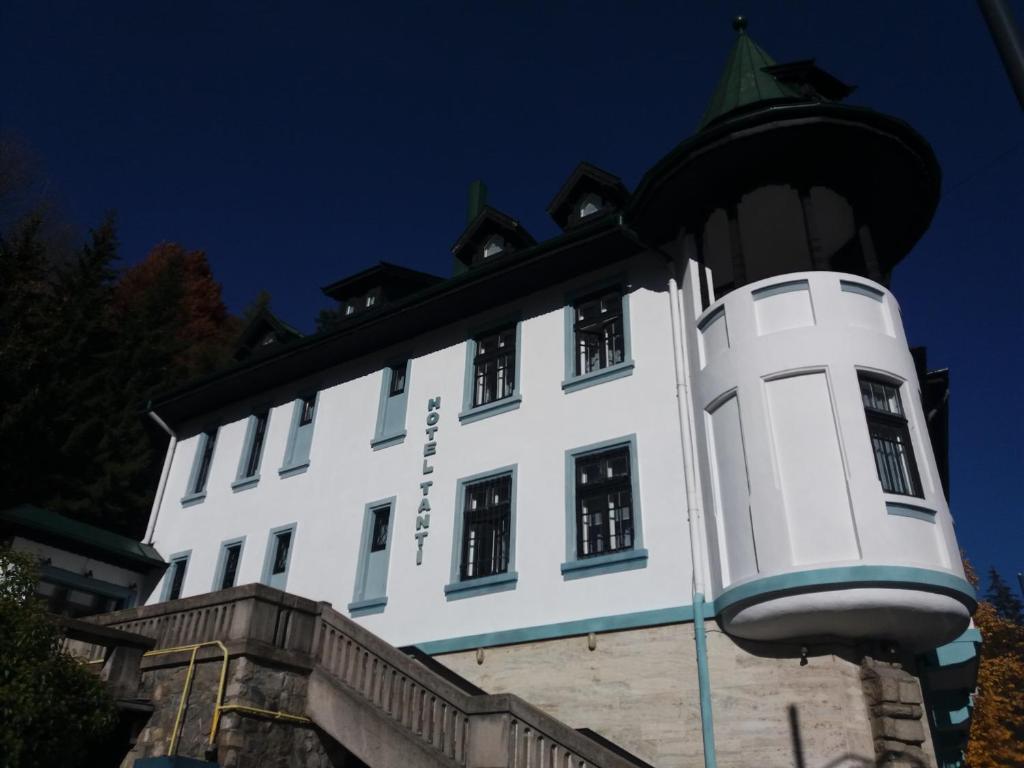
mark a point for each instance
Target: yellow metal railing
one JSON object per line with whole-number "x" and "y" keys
{"x": 219, "y": 707}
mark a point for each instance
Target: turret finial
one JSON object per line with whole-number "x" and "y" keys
{"x": 739, "y": 24}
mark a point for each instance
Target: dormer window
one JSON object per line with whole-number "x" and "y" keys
{"x": 370, "y": 300}
{"x": 589, "y": 205}
{"x": 349, "y": 309}
{"x": 494, "y": 245}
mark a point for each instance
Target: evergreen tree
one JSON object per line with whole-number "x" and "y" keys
{"x": 328, "y": 319}
{"x": 81, "y": 352}
{"x": 25, "y": 359}
{"x": 1002, "y": 598}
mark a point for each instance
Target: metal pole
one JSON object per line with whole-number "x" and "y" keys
{"x": 1008, "y": 42}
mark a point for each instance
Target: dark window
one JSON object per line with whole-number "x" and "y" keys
{"x": 486, "y": 527}
{"x": 231, "y": 554}
{"x": 308, "y": 408}
{"x": 283, "y": 547}
{"x": 397, "y": 379}
{"x": 75, "y": 602}
{"x": 604, "y": 503}
{"x": 177, "y": 578}
{"x": 598, "y": 332}
{"x": 494, "y": 367}
{"x": 379, "y": 535}
{"x": 252, "y": 463}
{"x": 203, "y": 471}
{"x": 890, "y": 437}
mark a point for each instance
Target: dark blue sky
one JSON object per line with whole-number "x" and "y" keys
{"x": 298, "y": 142}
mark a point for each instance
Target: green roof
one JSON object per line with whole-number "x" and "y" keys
{"x": 744, "y": 81}
{"x": 53, "y": 527}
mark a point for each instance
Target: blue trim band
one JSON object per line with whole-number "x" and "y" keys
{"x": 386, "y": 442}
{"x": 298, "y": 469}
{"x": 623, "y": 621}
{"x": 364, "y": 607}
{"x": 245, "y": 482}
{"x": 612, "y": 372}
{"x": 490, "y": 409}
{"x": 849, "y": 577}
{"x": 500, "y": 582}
{"x": 908, "y": 510}
{"x": 192, "y": 498}
{"x": 613, "y": 563}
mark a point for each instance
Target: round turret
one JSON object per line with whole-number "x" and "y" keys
{"x": 825, "y": 515}
{"x": 783, "y": 177}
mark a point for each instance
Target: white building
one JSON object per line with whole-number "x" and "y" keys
{"x": 698, "y": 401}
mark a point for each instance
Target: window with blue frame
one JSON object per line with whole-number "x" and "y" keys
{"x": 201, "y": 467}
{"x": 597, "y": 343}
{"x": 280, "y": 544}
{"x": 252, "y": 450}
{"x": 370, "y": 594}
{"x": 492, "y": 372}
{"x": 602, "y": 509}
{"x": 300, "y": 436}
{"x": 228, "y": 564}
{"x": 483, "y": 555}
{"x": 390, "y": 429}
{"x": 174, "y": 579}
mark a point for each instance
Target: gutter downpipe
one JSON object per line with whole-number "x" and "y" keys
{"x": 693, "y": 510}
{"x": 693, "y": 514}
{"x": 158, "y": 500}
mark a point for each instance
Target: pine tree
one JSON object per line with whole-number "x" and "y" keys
{"x": 25, "y": 359}
{"x": 1002, "y": 598}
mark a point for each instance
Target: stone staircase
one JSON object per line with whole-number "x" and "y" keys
{"x": 381, "y": 705}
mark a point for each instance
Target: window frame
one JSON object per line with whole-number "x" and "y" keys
{"x": 899, "y": 423}
{"x": 268, "y": 558}
{"x": 363, "y": 604}
{"x": 207, "y": 438}
{"x": 222, "y": 562}
{"x": 457, "y": 588}
{"x": 620, "y": 560}
{"x": 574, "y": 381}
{"x": 69, "y": 580}
{"x": 390, "y": 404}
{"x": 292, "y": 463}
{"x": 172, "y": 561}
{"x": 471, "y": 412}
{"x": 242, "y": 480}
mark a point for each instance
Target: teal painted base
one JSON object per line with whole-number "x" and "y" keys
{"x": 562, "y": 629}
{"x": 849, "y": 577}
{"x": 813, "y": 580}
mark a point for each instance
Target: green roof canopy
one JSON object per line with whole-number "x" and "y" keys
{"x": 77, "y": 536}
{"x": 744, "y": 81}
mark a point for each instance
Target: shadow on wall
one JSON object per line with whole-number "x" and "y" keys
{"x": 848, "y": 760}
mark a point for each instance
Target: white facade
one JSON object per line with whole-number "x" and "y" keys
{"x": 799, "y": 539}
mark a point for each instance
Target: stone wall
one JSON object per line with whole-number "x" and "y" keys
{"x": 639, "y": 689}
{"x": 895, "y": 702}
{"x": 242, "y": 739}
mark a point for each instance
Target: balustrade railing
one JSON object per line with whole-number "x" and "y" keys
{"x": 465, "y": 728}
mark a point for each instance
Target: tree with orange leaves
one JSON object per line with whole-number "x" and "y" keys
{"x": 997, "y": 725}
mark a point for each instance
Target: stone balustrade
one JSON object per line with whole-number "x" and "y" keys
{"x": 360, "y": 688}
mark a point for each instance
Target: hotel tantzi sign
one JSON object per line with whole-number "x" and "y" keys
{"x": 429, "y": 450}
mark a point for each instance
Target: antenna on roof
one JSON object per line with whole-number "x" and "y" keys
{"x": 477, "y": 200}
